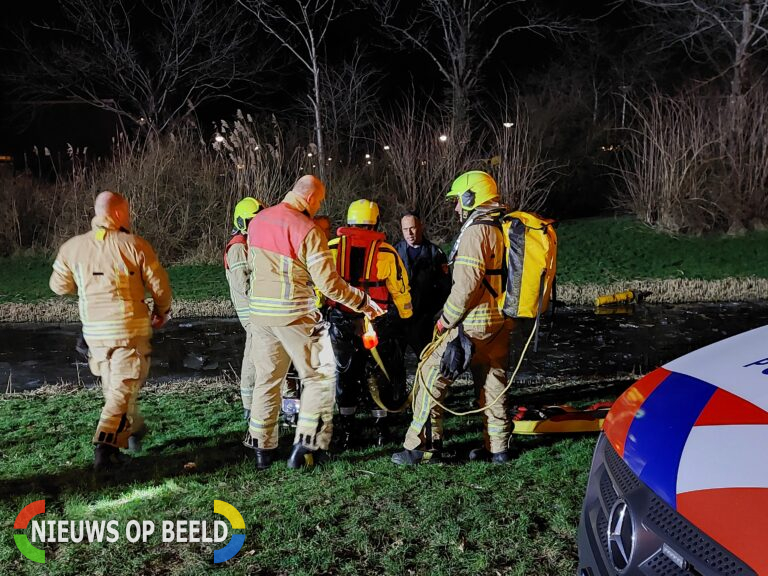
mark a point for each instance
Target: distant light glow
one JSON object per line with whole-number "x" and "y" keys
{"x": 386, "y": 147}
{"x": 219, "y": 138}
{"x": 508, "y": 124}
{"x": 368, "y": 156}
{"x": 443, "y": 138}
{"x": 309, "y": 154}
{"x": 368, "y": 162}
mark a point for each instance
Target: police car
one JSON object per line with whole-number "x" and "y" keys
{"x": 679, "y": 478}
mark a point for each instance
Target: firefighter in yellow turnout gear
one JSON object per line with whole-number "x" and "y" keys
{"x": 365, "y": 260}
{"x": 238, "y": 274}
{"x": 110, "y": 270}
{"x": 289, "y": 256}
{"x": 472, "y": 312}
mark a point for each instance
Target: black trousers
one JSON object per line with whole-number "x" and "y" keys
{"x": 357, "y": 370}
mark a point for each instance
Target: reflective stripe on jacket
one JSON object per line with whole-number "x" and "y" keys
{"x": 473, "y": 302}
{"x": 367, "y": 262}
{"x": 238, "y": 274}
{"x": 288, "y": 256}
{"x": 110, "y": 270}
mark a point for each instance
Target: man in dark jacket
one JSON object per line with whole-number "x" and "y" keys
{"x": 430, "y": 280}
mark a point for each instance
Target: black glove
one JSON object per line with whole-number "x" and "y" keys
{"x": 457, "y": 356}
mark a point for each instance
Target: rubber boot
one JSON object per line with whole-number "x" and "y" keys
{"x": 106, "y": 457}
{"x": 413, "y": 457}
{"x": 484, "y": 455}
{"x": 303, "y": 457}
{"x": 263, "y": 457}
{"x": 347, "y": 431}
{"x": 135, "y": 439}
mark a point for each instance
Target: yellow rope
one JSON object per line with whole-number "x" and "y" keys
{"x": 428, "y": 350}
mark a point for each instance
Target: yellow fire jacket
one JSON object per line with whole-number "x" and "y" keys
{"x": 289, "y": 256}
{"x": 390, "y": 269}
{"x": 472, "y": 301}
{"x": 110, "y": 270}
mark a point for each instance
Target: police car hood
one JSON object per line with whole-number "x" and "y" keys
{"x": 695, "y": 431}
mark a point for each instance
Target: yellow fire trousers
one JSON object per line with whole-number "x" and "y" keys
{"x": 488, "y": 366}
{"x": 290, "y": 388}
{"x": 123, "y": 371}
{"x": 307, "y": 344}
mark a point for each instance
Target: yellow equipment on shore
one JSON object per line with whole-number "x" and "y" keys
{"x": 618, "y": 298}
{"x": 560, "y": 419}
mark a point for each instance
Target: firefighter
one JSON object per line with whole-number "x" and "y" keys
{"x": 238, "y": 277}
{"x": 110, "y": 270}
{"x": 291, "y": 255}
{"x": 470, "y": 312}
{"x": 365, "y": 260}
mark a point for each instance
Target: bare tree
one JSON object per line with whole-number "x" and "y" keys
{"x": 725, "y": 32}
{"x": 300, "y": 27}
{"x": 668, "y": 170}
{"x": 150, "y": 61}
{"x": 423, "y": 164}
{"x": 524, "y": 173}
{"x": 351, "y": 91}
{"x": 457, "y": 37}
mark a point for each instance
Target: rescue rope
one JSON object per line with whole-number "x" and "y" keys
{"x": 373, "y": 389}
{"x": 430, "y": 348}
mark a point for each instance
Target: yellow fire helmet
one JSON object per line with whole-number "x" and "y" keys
{"x": 246, "y": 209}
{"x": 473, "y": 188}
{"x": 363, "y": 212}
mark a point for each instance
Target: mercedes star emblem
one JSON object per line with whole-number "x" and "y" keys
{"x": 621, "y": 535}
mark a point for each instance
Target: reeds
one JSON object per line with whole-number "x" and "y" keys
{"x": 697, "y": 162}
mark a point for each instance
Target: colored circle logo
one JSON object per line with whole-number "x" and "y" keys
{"x": 22, "y": 521}
{"x": 236, "y": 542}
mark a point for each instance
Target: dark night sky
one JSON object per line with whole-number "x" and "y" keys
{"x": 522, "y": 61}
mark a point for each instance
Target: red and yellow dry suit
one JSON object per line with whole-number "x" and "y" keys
{"x": 366, "y": 261}
{"x": 473, "y": 304}
{"x": 111, "y": 270}
{"x": 289, "y": 256}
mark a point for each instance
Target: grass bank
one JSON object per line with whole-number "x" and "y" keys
{"x": 358, "y": 515}
{"x": 596, "y": 255}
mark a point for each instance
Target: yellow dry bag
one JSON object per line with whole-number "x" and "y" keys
{"x": 530, "y": 264}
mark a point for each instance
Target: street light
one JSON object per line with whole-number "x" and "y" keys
{"x": 443, "y": 138}
{"x": 367, "y": 156}
{"x": 508, "y": 124}
{"x": 219, "y": 138}
{"x": 386, "y": 147}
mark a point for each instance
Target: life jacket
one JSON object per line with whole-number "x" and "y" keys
{"x": 237, "y": 238}
{"x": 530, "y": 264}
{"x": 357, "y": 252}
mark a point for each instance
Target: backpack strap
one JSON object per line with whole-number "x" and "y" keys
{"x": 496, "y": 223}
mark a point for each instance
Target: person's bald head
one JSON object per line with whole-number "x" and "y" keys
{"x": 311, "y": 190}
{"x": 115, "y": 207}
